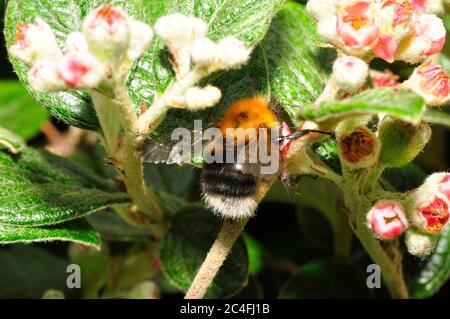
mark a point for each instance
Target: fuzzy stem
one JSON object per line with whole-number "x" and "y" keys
{"x": 329, "y": 92}
{"x": 150, "y": 120}
{"x": 391, "y": 273}
{"x": 133, "y": 172}
{"x": 112, "y": 111}
{"x": 219, "y": 251}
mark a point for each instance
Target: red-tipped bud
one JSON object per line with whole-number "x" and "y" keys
{"x": 387, "y": 219}
{"x": 428, "y": 207}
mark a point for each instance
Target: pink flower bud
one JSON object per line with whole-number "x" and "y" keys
{"x": 107, "y": 30}
{"x": 429, "y": 208}
{"x": 387, "y": 219}
{"x": 428, "y": 39}
{"x": 80, "y": 70}
{"x": 384, "y": 79}
{"x": 35, "y": 42}
{"x": 356, "y": 27}
{"x": 43, "y": 77}
{"x": 350, "y": 73}
{"x": 431, "y": 82}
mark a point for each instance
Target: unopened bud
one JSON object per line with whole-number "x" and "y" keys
{"x": 107, "y": 30}
{"x": 401, "y": 141}
{"x": 35, "y": 42}
{"x": 419, "y": 244}
{"x": 179, "y": 29}
{"x": 350, "y": 73}
{"x": 80, "y": 71}
{"x": 44, "y": 78}
{"x": 141, "y": 36}
{"x": 205, "y": 52}
{"x": 233, "y": 53}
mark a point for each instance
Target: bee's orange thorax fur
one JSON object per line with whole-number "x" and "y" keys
{"x": 249, "y": 113}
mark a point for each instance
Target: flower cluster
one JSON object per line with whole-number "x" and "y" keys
{"x": 425, "y": 211}
{"x": 110, "y": 40}
{"x": 388, "y": 29}
{"x": 403, "y": 30}
{"x": 107, "y": 44}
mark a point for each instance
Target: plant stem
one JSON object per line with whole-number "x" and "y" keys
{"x": 150, "y": 120}
{"x": 113, "y": 112}
{"x": 358, "y": 204}
{"x": 219, "y": 251}
{"x": 329, "y": 92}
{"x": 391, "y": 271}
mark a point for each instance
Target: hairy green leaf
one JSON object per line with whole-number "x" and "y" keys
{"x": 430, "y": 274}
{"x": 19, "y": 113}
{"x": 38, "y": 188}
{"x": 78, "y": 231}
{"x": 403, "y": 104}
{"x": 186, "y": 245}
{"x": 28, "y": 272}
{"x": 248, "y": 20}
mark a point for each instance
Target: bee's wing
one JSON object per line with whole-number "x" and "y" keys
{"x": 166, "y": 150}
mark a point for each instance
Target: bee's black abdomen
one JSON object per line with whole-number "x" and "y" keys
{"x": 227, "y": 180}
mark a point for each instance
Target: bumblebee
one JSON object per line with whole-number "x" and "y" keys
{"x": 231, "y": 188}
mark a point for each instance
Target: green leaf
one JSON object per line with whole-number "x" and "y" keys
{"x": 431, "y": 273}
{"x": 10, "y": 141}
{"x": 252, "y": 290}
{"x": 325, "y": 279}
{"x": 437, "y": 117}
{"x": 113, "y": 228}
{"x": 328, "y": 153}
{"x": 28, "y": 272}
{"x": 185, "y": 247}
{"x": 255, "y": 254}
{"x": 78, "y": 231}
{"x": 173, "y": 179}
{"x": 38, "y": 188}
{"x": 403, "y": 104}
{"x": 405, "y": 178}
{"x": 19, "y": 113}
{"x": 248, "y": 20}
